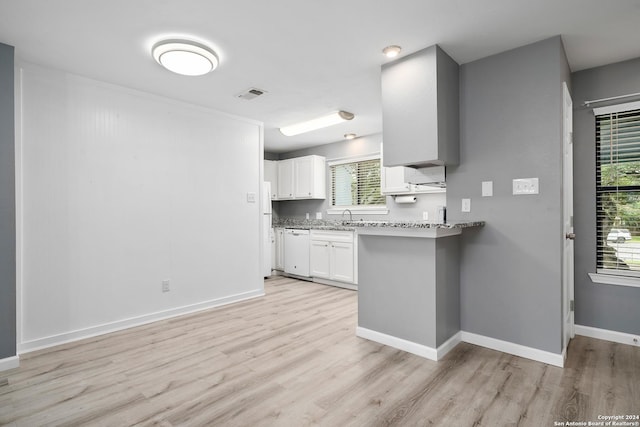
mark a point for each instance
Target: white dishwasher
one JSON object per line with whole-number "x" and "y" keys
{"x": 296, "y": 252}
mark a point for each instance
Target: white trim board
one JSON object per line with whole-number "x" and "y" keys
{"x": 555, "y": 359}
{"x": 462, "y": 336}
{"x": 9, "y": 363}
{"x": 409, "y": 346}
{"x": 607, "y": 335}
{"x": 119, "y": 325}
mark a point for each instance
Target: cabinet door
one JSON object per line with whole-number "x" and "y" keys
{"x": 319, "y": 258}
{"x": 285, "y": 179}
{"x": 280, "y": 249}
{"x": 342, "y": 261}
{"x": 271, "y": 175}
{"x": 392, "y": 181}
{"x": 274, "y": 248}
{"x": 303, "y": 177}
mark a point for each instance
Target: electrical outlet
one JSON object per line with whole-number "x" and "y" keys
{"x": 425, "y": 215}
{"x": 165, "y": 286}
{"x": 466, "y": 205}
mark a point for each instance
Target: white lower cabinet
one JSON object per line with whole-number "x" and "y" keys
{"x": 333, "y": 255}
{"x": 341, "y": 262}
{"x": 320, "y": 257}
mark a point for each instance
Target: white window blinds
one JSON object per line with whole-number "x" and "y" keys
{"x": 618, "y": 192}
{"x": 356, "y": 184}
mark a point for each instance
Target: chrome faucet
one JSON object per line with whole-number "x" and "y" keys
{"x": 350, "y": 215}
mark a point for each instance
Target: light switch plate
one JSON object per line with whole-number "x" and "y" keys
{"x": 525, "y": 186}
{"x": 251, "y": 197}
{"x": 466, "y": 205}
{"x": 487, "y": 188}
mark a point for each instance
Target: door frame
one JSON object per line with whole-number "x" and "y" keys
{"x": 568, "y": 321}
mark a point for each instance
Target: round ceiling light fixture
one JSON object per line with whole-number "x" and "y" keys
{"x": 185, "y": 57}
{"x": 392, "y": 51}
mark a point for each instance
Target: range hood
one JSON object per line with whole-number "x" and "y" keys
{"x": 433, "y": 176}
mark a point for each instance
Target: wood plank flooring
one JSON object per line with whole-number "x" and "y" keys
{"x": 292, "y": 358}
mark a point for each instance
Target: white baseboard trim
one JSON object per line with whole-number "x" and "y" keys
{"x": 40, "y": 343}
{"x": 607, "y": 335}
{"x": 409, "y": 346}
{"x": 515, "y": 349}
{"x": 334, "y": 283}
{"x": 9, "y": 363}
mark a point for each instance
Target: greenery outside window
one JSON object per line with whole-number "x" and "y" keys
{"x": 618, "y": 190}
{"x": 355, "y": 184}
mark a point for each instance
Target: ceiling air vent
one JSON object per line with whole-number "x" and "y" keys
{"x": 251, "y": 93}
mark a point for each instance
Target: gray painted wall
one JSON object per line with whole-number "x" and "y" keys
{"x": 601, "y": 306}
{"x": 408, "y": 287}
{"x": 511, "y": 127}
{"x": 7, "y": 206}
{"x": 355, "y": 147}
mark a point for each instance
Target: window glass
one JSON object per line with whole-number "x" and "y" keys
{"x": 356, "y": 184}
{"x": 618, "y": 192}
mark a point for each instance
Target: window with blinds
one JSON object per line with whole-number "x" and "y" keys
{"x": 356, "y": 184}
{"x": 618, "y": 192}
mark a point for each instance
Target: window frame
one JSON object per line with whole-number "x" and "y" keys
{"x": 359, "y": 209}
{"x": 604, "y": 275}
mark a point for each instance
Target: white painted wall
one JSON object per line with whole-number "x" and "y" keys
{"x": 121, "y": 189}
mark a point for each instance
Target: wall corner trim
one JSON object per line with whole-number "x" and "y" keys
{"x": 9, "y": 363}
{"x": 409, "y": 346}
{"x": 119, "y": 325}
{"x": 607, "y": 335}
{"x": 514, "y": 349}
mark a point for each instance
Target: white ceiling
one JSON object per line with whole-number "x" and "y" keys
{"x": 312, "y": 56}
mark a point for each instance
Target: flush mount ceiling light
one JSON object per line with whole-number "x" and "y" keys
{"x": 319, "y": 123}
{"x": 349, "y": 135}
{"x": 392, "y": 51}
{"x": 185, "y": 57}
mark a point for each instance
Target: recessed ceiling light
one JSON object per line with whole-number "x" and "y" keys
{"x": 320, "y": 122}
{"x": 185, "y": 57}
{"x": 392, "y": 51}
{"x": 349, "y": 135}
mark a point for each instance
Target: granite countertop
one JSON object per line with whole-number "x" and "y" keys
{"x": 318, "y": 224}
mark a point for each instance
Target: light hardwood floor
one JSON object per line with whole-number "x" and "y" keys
{"x": 292, "y": 358}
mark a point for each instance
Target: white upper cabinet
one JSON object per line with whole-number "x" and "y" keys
{"x": 302, "y": 178}
{"x": 401, "y": 180}
{"x": 271, "y": 175}
{"x": 392, "y": 181}
{"x": 309, "y": 177}
{"x": 420, "y": 109}
{"x": 285, "y": 179}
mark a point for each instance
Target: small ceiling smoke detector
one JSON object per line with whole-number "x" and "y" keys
{"x": 251, "y": 93}
{"x": 185, "y": 57}
{"x": 349, "y": 135}
{"x": 392, "y": 51}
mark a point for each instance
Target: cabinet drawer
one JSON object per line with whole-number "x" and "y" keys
{"x": 332, "y": 236}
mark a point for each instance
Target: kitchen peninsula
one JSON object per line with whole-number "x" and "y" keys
{"x": 408, "y": 281}
{"x": 409, "y": 294}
